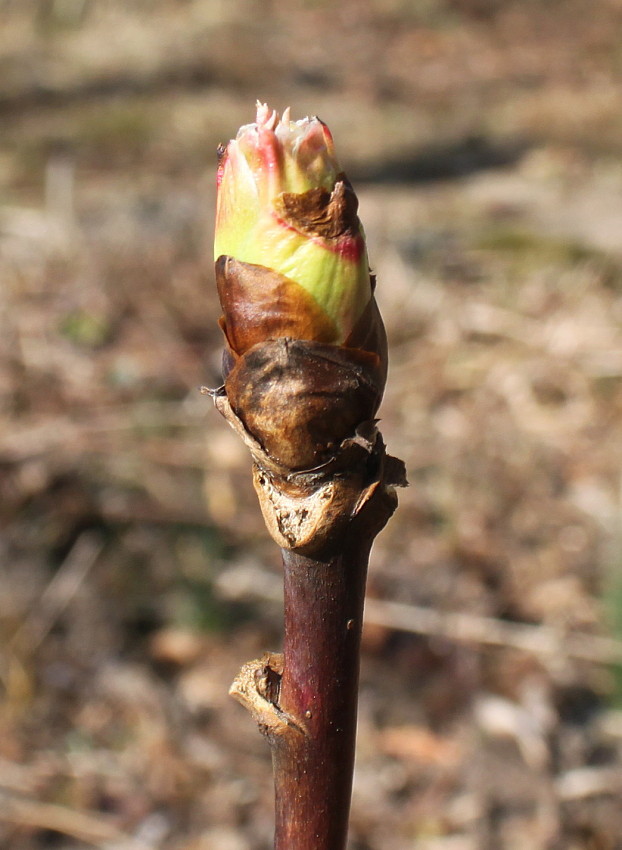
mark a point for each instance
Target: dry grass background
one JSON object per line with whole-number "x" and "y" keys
{"x": 483, "y": 137}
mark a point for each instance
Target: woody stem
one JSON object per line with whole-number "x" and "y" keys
{"x": 319, "y": 688}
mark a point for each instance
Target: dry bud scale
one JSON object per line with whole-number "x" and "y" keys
{"x": 305, "y": 365}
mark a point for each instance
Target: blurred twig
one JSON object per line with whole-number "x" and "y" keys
{"x": 43, "y": 434}
{"x": 91, "y": 828}
{"x": 58, "y": 594}
{"x": 252, "y": 582}
{"x": 582, "y": 782}
{"x": 539, "y": 640}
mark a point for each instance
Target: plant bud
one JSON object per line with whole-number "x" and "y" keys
{"x": 306, "y": 356}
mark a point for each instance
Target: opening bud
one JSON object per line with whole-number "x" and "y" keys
{"x": 291, "y": 265}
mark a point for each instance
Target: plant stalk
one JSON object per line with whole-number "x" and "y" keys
{"x": 305, "y": 365}
{"x": 305, "y": 700}
{"x": 319, "y": 688}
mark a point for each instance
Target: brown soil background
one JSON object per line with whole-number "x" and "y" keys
{"x": 484, "y": 138}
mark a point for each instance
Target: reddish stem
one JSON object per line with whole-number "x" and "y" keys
{"x": 318, "y": 691}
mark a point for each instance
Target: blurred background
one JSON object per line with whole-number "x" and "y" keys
{"x": 484, "y": 138}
